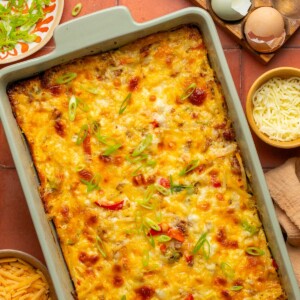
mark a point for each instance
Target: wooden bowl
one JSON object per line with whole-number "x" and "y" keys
{"x": 35, "y": 263}
{"x": 282, "y": 72}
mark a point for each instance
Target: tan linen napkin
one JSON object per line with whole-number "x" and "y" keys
{"x": 284, "y": 186}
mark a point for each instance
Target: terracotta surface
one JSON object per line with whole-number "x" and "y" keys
{"x": 16, "y": 229}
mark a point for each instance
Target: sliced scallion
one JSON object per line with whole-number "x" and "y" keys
{"x": 255, "y": 251}
{"x": 227, "y": 270}
{"x": 199, "y": 243}
{"x": 143, "y": 145}
{"x": 145, "y": 258}
{"x": 76, "y": 9}
{"x": 124, "y": 104}
{"x": 100, "y": 246}
{"x": 163, "y": 238}
{"x": 176, "y": 188}
{"x": 93, "y": 184}
{"x": 191, "y": 166}
{"x": 236, "y": 288}
{"x": 72, "y": 108}
{"x": 161, "y": 189}
{"x": 65, "y": 78}
{"x": 188, "y": 91}
{"x": 82, "y": 134}
{"x": 112, "y": 149}
{"x": 123, "y": 297}
{"x": 152, "y": 224}
{"x": 248, "y": 227}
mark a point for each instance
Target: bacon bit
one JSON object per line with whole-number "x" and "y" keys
{"x": 226, "y": 294}
{"x": 105, "y": 159}
{"x": 133, "y": 83}
{"x": 176, "y": 234}
{"x": 87, "y": 144}
{"x": 144, "y": 51}
{"x": 220, "y": 197}
{"x": 195, "y": 115}
{"x": 139, "y": 180}
{"x": 222, "y": 239}
{"x": 152, "y": 98}
{"x": 274, "y": 263}
{"x": 214, "y": 179}
{"x": 117, "y": 268}
{"x": 189, "y": 297}
{"x": 235, "y": 166}
{"x": 118, "y": 160}
{"x": 92, "y": 220}
{"x": 204, "y": 205}
{"x": 228, "y": 134}
{"x": 253, "y": 261}
{"x": 65, "y": 211}
{"x": 164, "y": 182}
{"x": 114, "y": 206}
{"x": 163, "y": 248}
{"x": 118, "y": 281}
{"x": 189, "y": 259}
{"x": 145, "y": 292}
{"x": 155, "y": 124}
{"x": 220, "y": 125}
{"x": 85, "y": 175}
{"x": 220, "y": 281}
{"x": 88, "y": 260}
{"x": 55, "y": 90}
{"x": 150, "y": 179}
{"x": 59, "y": 127}
{"x": 198, "y": 96}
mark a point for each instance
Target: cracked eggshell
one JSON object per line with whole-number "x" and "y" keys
{"x": 264, "y": 30}
{"x": 230, "y": 10}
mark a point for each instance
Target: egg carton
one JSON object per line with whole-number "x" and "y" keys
{"x": 236, "y": 28}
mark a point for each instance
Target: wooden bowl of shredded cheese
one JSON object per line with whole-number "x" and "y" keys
{"x": 273, "y": 107}
{"x": 23, "y": 277}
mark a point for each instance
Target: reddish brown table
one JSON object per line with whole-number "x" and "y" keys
{"x": 16, "y": 228}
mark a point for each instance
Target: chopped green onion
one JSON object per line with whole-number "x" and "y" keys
{"x": 236, "y": 288}
{"x": 247, "y": 227}
{"x": 151, "y": 163}
{"x": 137, "y": 159}
{"x": 82, "y": 105}
{"x": 100, "y": 246}
{"x": 145, "y": 258}
{"x": 206, "y": 249}
{"x": 112, "y": 149}
{"x": 147, "y": 197}
{"x": 93, "y": 184}
{"x": 163, "y": 238}
{"x": 65, "y": 78}
{"x": 82, "y": 134}
{"x": 72, "y": 108}
{"x": 143, "y": 145}
{"x": 162, "y": 190}
{"x": 123, "y": 297}
{"x": 76, "y": 9}
{"x": 149, "y": 237}
{"x": 199, "y": 243}
{"x": 227, "y": 270}
{"x": 191, "y": 166}
{"x": 176, "y": 188}
{"x": 152, "y": 224}
{"x": 124, "y": 104}
{"x": 136, "y": 171}
{"x": 188, "y": 91}
{"x": 255, "y": 251}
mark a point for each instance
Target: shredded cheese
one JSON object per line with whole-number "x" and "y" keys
{"x": 19, "y": 280}
{"x": 276, "y": 108}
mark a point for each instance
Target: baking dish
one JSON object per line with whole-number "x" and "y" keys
{"x": 118, "y": 28}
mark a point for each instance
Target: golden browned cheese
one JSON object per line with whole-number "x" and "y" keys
{"x": 142, "y": 176}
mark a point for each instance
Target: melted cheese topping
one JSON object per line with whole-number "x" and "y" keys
{"x": 276, "y": 108}
{"x": 142, "y": 175}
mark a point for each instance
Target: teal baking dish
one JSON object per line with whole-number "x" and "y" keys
{"x": 103, "y": 31}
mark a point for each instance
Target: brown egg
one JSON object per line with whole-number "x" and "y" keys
{"x": 264, "y": 29}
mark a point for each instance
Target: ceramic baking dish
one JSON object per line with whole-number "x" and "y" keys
{"x": 103, "y": 31}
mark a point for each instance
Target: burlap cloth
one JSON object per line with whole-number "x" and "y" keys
{"x": 284, "y": 186}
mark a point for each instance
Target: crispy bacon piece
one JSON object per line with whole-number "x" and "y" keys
{"x": 87, "y": 259}
{"x": 133, "y": 83}
{"x": 144, "y": 292}
{"x": 228, "y": 134}
{"x": 164, "y": 182}
{"x": 85, "y": 174}
{"x": 59, "y": 127}
{"x": 220, "y": 281}
{"x": 222, "y": 239}
{"x": 118, "y": 281}
{"x": 139, "y": 180}
{"x": 189, "y": 297}
{"x": 198, "y": 96}
{"x": 225, "y": 294}
{"x": 154, "y": 124}
{"x": 87, "y": 144}
{"x": 55, "y": 90}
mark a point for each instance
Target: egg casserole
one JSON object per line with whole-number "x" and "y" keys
{"x": 141, "y": 174}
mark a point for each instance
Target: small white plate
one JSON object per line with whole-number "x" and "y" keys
{"x": 43, "y": 29}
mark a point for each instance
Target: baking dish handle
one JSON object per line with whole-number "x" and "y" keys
{"x": 93, "y": 28}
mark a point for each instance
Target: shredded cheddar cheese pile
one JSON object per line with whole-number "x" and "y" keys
{"x": 142, "y": 176}
{"x": 20, "y": 281}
